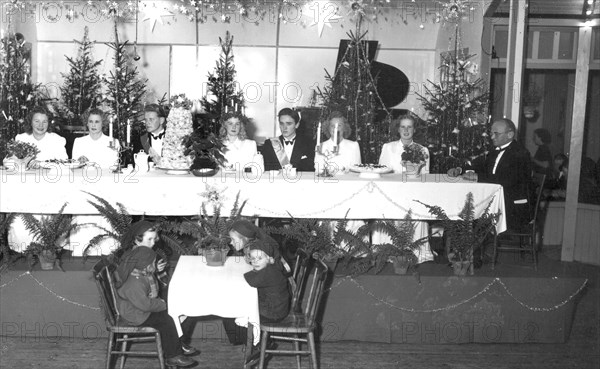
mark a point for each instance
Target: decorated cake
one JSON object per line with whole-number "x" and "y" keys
{"x": 370, "y": 168}
{"x": 179, "y": 125}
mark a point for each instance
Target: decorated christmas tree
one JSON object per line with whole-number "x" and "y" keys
{"x": 82, "y": 85}
{"x": 457, "y": 120}
{"x": 224, "y": 93}
{"x": 17, "y": 94}
{"x": 125, "y": 90}
{"x": 352, "y": 90}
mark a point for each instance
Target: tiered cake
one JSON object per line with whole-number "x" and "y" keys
{"x": 179, "y": 125}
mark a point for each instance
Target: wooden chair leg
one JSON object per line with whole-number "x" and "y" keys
{"x": 159, "y": 349}
{"x": 263, "y": 348}
{"x": 249, "y": 345}
{"x": 123, "y": 350}
{"x": 495, "y": 254}
{"x": 298, "y": 356}
{"x": 313, "y": 350}
{"x": 111, "y": 342}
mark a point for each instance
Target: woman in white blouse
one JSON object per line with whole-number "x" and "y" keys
{"x": 39, "y": 133}
{"x": 338, "y": 154}
{"x": 391, "y": 156}
{"x": 391, "y": 152}
{"x": 95, "y": 147}
{"x": 240, "y": 152}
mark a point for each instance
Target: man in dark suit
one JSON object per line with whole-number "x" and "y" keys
{"x": 289, "y": 148}
{"x": 151, "y": 141}
{"x": 509, "y": 165}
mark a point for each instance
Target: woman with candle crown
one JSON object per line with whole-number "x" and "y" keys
{"x": 240, "y": 152}
{"x": 95, "y": 147}
{"x": 289, "y": 148}
{"x": 337, "y": 153}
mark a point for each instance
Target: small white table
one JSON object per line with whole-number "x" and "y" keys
{"x": 198, "y": 290}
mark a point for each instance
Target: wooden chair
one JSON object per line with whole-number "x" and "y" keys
{"x": 119, "y": 330}
{"x": 528, "y": 240}
{"x": 296, "y": 325}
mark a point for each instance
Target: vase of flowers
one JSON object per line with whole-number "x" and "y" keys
{"x": 19, "y": 154}
{"x": 414, "y": 159}
{"x": 214, "y": 250}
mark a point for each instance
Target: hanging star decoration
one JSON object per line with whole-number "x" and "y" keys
{"x": 454, "y": 10}
{"x": 154, "y": 14}
{"x": 324, "y": 14}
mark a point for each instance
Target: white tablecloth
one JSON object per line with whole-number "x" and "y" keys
{"x": 198, "y": 290}
{"x": 307, "y": 196}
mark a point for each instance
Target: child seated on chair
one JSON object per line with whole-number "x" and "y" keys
{"x": 139, "y": 304}
{"x": 269, "y": 280}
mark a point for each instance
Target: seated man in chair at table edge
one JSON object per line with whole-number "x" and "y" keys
{"x": 508, "y": 165}
{"x": 151, "y": 141}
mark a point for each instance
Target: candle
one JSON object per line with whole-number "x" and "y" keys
{"x": 128, "y": 132}
{"x": 110, "y": 128}
{"x": 489, "y": 118}
{"x": 335, "y": 134}
{"x": 319, "y": 134}
{"x": 25, "y": 78}
{"x": 226, "y": 109}
{"x": 3, "y": 113}
{"x": 235, "y": 108}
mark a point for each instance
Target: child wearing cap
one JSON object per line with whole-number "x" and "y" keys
{"x": 139, "y": 303}
{"x": 269, "y": 280}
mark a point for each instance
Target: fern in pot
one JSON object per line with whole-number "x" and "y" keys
{"x": 400, "y": 251}
{"x": 465, "y": 234}
{"x": 48, "y": 234}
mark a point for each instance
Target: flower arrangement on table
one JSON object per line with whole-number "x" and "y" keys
{"x": 19, "y": 154}
{"x": 414, "y": 158}
{"x": 207, "y": 152}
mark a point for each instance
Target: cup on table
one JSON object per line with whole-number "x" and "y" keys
{"x": 470, "y": 175}
{"x": 150, "y": 166}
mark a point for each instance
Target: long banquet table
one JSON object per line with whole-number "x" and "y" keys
{"x": 268, "y": 195}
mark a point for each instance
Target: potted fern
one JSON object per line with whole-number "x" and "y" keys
{"x": 213, "y": 230}
{"x": 400, "y": 250}
{"x": 464, "y": 234}
{"x": 47, "y": 235}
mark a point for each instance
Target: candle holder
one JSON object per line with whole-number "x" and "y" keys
{"x": 122, "y": 151}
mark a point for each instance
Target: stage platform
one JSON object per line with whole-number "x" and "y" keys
{"x": 511, "y": 304}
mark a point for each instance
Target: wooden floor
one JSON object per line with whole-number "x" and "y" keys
{"x": 581, "y": 351}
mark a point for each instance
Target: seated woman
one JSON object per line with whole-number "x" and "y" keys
{"x": 140, "y": 305}
{"x": 391, "y": 152}
{"x": 240, "y": 152}
{"x": 39, "y": 132}
{"x": 95, "y": 147}
{"x": 338, "y": 154}
{"x": 51, "y": 146}
{"x": 289, "y": 148}
{"x": 391, "y": 156}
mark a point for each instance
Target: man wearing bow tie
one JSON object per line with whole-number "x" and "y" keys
{"x": 509, "y": 165}
{"x": 152, "y": 140}
{"x": 289, "y": 148}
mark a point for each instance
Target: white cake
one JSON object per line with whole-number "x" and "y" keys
{"x": 179, "y": 125}
{"x": 370, "y": 168}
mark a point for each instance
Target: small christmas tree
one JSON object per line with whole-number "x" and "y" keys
{"x": 82, "y": 85}
{"x": 223, "y": 93}
{"x": 352, "y": 90}
{"x": 125, "y": 90}
{"x": 457, "y": 123}
{"x": 17, "y": 94}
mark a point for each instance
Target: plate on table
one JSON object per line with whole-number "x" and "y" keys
{"x": 371, "y": 169}
{"x": 174, "y": 171}
{"x": 69, "y": 163}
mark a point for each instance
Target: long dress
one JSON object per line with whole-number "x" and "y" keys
{"x": 51, "y": 146}
{"x": 391, "y": 156}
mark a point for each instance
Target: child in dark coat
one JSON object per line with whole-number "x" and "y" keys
{"x": 269, "y": 280}
{"x": 139, "y": 304}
